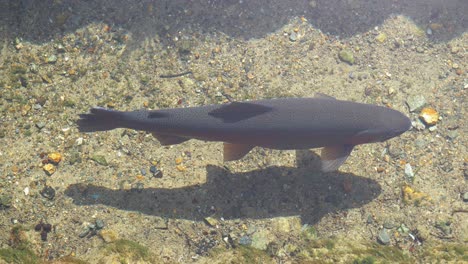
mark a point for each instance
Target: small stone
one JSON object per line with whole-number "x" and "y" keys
{"x": 245, "y": 241}
{"x": 383, "y": 237}
{"x": 261, "y": 239}
{"x": 388, "y": 224}
{"x": 52, "y": 59}
{"x": 415, "y": 102}
{"x": 108, "y": 236}
{"x": 54, "y": 157}
{"x": 79, "y": 141}
{"x": 403, "y": 229}
{"x": 181, "y": 168}
{"x": 293, "y": 36}
{"x": 381, "y": 37}
{"x": 5, "y": 201}
{"x": 84, "y": 232}
{"x": 432, "y": 128}
{"x": 40, "y": 125}
{"x": 444, "y": 227}
{"x": 49, "y": 169}
{"x": 156, "y": 172}
{"x": 48, "y": 192}
{"x": 465, "y": 197}
{"x": 429, "y": 116}
{"x": 179, "y": 160}
{"x": 346, "y": 56}
{"x": 99, "y": 224}
{"x": 418, "y": 125}
{"x": 99, "y": 159}
{"x": 409, "y": 172}
{"x": 211, "y": 221}
{"x": 26, "y": 191}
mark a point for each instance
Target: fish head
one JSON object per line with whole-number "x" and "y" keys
{"x": 390, "y": 124}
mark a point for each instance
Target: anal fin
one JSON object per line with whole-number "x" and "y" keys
{"x": 235, "y": 151}
{"x": 333, "y": 156}
{"x": 167, "y": 140}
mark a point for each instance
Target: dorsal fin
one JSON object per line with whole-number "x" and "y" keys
{"x": 237, "y": 111}
{"x": 324, "y": 96}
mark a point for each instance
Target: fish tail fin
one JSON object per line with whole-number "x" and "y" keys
{"x": 100, "y": 119}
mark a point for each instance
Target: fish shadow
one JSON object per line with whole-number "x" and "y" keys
{"x": 264, "y": 193}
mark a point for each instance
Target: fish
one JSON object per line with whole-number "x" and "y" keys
{"x": 321, "y": 121}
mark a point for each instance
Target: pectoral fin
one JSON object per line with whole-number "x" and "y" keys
{"x": 167, "y": 140}
{"x": 333, "y": 156}
{"x": 235, "y": 151}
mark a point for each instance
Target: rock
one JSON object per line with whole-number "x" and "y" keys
{"x": 99, "y": 159}
{"x": 415, "y": 102}
{"x": 286, "y": 224}
{"x": 99, "y": 224}
{"x": 429, "y": 116}
{"x": 383, "y": 237}
{"x": 245, "y": 241}
{"x": 52, "y": 59}
{"x": 409, "y": 172}
{"x": 293, "y": 36}
{"x": 5, "y": 201}
{"x": 49, "y": 169}
{"x": 48, "y": 192}
{"x": 465, "y": 197}
{"x": 108, "y": 236}
{"x": 346, "y": 56}
{"x": 211, "y": 221}
{"x": 381, "y": 37}
{"x": 40, "y": 125}
{"x": 261, "y": 239}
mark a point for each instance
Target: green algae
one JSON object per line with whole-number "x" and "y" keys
{"x": 129, "y": 251}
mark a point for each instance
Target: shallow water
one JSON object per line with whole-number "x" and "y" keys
{"x": 59, "y": 58}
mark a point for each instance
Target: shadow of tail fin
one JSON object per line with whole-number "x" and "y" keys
{"x": 99, "y": 119}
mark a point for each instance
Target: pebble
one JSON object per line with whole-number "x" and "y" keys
{"x": 211, "y": 221}
{"x": 403, "y": 229}
{"x": 99, "y": 159}
{"x": 429, "y": 115}
{"x": 156, "y": 172}
{"x": 5, "y": 201}
{"x": 52, "y": 59}
{"x": 388, "y": 224}
{"x": 433, "y": 128}
{"x": 346, "y": 56}
{"x": 108, "y": 236}
{"x": 40, "y": 125}
{"x": 418, "y": 125}
{"x": 293, "y": 36}
{"x": 383, "y": 237}
{"x": 415, "y": 102}
{"x": 54, "y": 157}
{"x": 409, "y": 172}
{"x": 49, "y": 169}
{"x": 245, "y": 241}
{"x": 48, "y": 192}
{"x": 99, "y": 224}
{"x": 381, "y": 37}
{"x": 84, "y": 232}
{"x": 465, "y": 197}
